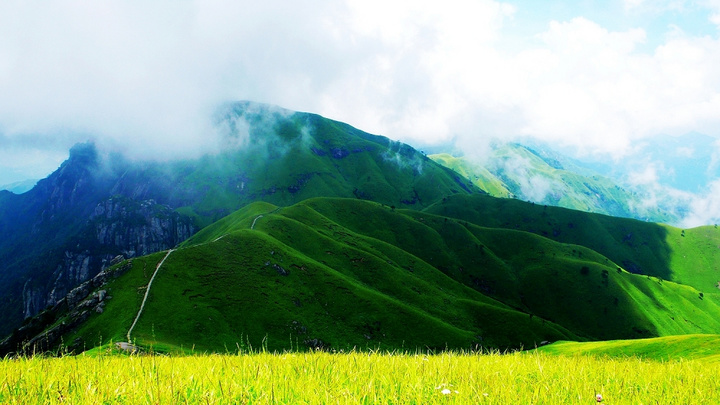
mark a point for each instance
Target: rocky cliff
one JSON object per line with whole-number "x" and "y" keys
{"x": 117, "y": 227}
{"x": 70, "y": 227}
{"x": 42, "y": 331}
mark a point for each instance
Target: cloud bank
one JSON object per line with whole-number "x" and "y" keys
{"x": 146, "y": 73}
{"x": 146, "y": 77}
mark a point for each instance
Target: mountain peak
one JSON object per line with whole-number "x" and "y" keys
{"x": 84, "y": 153}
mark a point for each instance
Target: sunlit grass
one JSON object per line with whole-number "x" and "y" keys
{"x": 304, "y": 378}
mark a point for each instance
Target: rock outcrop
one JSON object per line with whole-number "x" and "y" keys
{"x": 118, "y": 226}
{"x": 41, "y": 332}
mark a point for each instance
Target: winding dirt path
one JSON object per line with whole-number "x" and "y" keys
{"x": 255, "y": 220}
{"x": 261, "y": 215}
{"x": 147, "y": 292}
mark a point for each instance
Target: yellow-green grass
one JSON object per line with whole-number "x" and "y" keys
{"x": 705, "y": 347}
{"x": 362, "y": 378}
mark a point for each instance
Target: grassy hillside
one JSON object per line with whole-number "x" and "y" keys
{"x": 478, "y": 174}
{"x": 704, "y": 347}
{"x": 266, "y": 154}
{"x": 544, "y": 278}
{"x": 248, "y": 288}
{"x": 343, "y": 273}
{"x": 689, "y": 256}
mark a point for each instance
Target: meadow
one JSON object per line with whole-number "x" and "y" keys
{"x": 356, "y": 378}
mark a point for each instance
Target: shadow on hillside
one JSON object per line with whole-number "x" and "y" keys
{"x": 636, "y": 246}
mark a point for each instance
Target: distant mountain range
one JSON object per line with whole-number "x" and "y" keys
{"x": 19, "y": 187}
{"x": 516, "y": 171}
{"x": 307, "y": 233}
{"x": 689, "y": 162}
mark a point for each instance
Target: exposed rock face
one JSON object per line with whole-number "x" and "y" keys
{"x": 36, "y": 335}
{"x": 138, "y": 228}
{"x": 117, "y": 226}
{"x": 71, "y": 225}
{"x": 32, "y": 299}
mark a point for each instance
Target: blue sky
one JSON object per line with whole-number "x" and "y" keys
{"x": 656, "y": 18}
{"x": 144, "y": 77}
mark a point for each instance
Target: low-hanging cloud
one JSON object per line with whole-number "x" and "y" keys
{"x": 148, "y": 76}
{"x": 704, "y": 209}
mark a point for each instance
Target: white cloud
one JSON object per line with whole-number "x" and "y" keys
{"x": 714, "y": 158}
{"x": 704, "y": 209}
{"x": 583, "y": 85}
{"x": 714, "y": 7}
{"x": 147, "y": 76}
{"x": 685, "y": 151}
{"x": 647, "y": 176}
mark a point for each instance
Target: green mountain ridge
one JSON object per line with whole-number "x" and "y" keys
{"x": 316, "y": 235}
{"x": 517, "y": 171}
{"x": 703, "y": 347}
{"x": 343, "y": 273}
{"x": 72, "y": 224}
{"x": 687, "y": 256}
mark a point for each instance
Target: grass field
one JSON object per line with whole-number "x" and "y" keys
{"x": 357, "y": 377}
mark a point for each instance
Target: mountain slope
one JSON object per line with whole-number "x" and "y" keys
{"x": 338, "y": 273}
{"x": 19, "y": 187}
{"x": 686, "y": 256}
{"x": 329, "y": 287}
{"x": 704, "y": 347}
{"x": 101, "y": 205}
{"x": 513, "y": 170}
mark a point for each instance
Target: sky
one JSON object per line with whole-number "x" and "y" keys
{"x": 145, "y": 77}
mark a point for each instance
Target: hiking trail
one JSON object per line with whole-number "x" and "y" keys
{"x": 147, "y": 292}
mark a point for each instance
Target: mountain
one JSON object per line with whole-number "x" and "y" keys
{"x": 468, "y": 271}
{"x": 100, "y": 207}
{"x": 545, "y": 177}
{"x": 306, "y": 233}
{"x": 687, "y": 162}
{"x": 19, "y": 187}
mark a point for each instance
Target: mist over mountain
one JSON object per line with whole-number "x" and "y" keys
{"x": 19, "y": 187}
{"x": 671, "y": 179}
{"x": 101, "y": 206}
{"x": 304, "y": 226}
